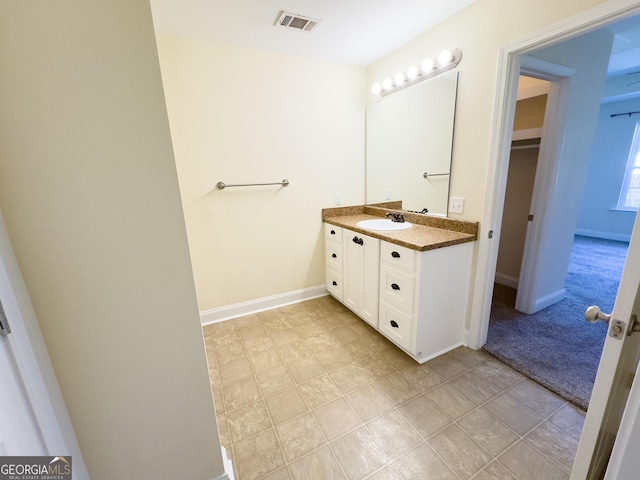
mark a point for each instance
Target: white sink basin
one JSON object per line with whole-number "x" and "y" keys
{"x": 383, "y": 224}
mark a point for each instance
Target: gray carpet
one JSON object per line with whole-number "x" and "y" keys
{"x": 556, "y": 347}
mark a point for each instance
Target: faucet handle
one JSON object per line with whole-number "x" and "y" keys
{"x": 396, "y": 217}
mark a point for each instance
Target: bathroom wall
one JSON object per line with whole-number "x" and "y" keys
{"x": 598, "y": 216}
{"x": 478, "y": 31}
{"x": 89, "y": 193}
{"x": 241, "y": 115}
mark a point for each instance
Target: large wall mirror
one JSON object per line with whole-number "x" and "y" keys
{"x": 410, "y": 134}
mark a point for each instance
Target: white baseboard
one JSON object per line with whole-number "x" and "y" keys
{"x": 506, "y": 280}
{"x": 261, "y": 304}
{"x": 228, "y": 467}
{"x": 549, "y": 300}
{"x": 224, "y": 476}
{"x": 620, "y": 237}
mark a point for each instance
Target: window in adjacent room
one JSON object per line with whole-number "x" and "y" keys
{"x": 630, "y": 193}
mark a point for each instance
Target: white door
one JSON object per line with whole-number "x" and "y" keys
{"x": 33, "y": 418}
{"x": 18, "y": 434}
{"x": 624, "y": 461}
{"x": 614, "y": 379}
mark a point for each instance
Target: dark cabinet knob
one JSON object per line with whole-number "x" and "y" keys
{"x": 333, "y": 232}
{"x": 357, "y": 240}
{"x": 395, "y": 286}
{"x": 334, "y": 255}
{"x": 395, "y": 254}
{"x": 334, "y": 283}
{"x": 394, "y": 324}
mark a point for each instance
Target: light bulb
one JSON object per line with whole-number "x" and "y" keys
{"x": 399, "y": 78}
{"x": 387, "y": 84}
{"x": 445, "y": 57}
{"x": 376, "y": 89}
{"x": 412, "y": 72}
{"x": 427, "y": 65}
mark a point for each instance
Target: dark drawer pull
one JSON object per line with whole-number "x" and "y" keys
{"x": 395, "y": 286}
{"x": 395, "y": 254}
{"x": 394, "y": 324}
{"x": 333, "y": 232}
{"x": 334, "y": 255}
{"x": 335, "y": 284}
{"x": 357, "y": 240}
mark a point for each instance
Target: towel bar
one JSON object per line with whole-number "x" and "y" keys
{"x": 222, "y": 185}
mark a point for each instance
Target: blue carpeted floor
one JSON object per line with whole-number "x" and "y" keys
{"x": 556, "y": 347}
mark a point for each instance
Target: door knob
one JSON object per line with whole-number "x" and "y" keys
{"x": 593, "y": 313}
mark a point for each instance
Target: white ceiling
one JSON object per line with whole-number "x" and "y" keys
{"x": 357, "y": 32}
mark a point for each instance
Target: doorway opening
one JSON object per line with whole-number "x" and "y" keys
{"x": 540, "y": 331}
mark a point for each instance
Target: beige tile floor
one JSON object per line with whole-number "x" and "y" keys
{"x": 310, "y": 391}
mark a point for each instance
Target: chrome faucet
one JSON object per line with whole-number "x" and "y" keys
{"x": 396, "y": 217}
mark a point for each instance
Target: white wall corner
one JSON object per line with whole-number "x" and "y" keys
{"x": 216, "y": 315}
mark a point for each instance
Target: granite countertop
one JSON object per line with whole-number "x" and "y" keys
{"x": 427, "y": 233}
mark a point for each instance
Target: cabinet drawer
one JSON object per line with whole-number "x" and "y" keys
{"x": 333, "y": 256}
{"x": 400, "y": 257}
{"x": 332, "y": 233}
{"x": 397, "y": 288}
{"x": 396, "y": 325}
{"x": 334, "y": 283}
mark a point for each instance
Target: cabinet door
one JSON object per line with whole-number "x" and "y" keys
{"x": 361, "y": 275}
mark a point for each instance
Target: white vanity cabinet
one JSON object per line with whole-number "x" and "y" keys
{"x": 423, "y": 297}
{"x": 417, "y": 299}
{"x": 351, "y": 269}
{"x": 361, "y": 267}
{"x": 333, "y": 262}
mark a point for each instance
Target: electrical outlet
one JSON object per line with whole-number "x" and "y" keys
{"x": 456, "y": 204}
{"x": 338, "y": 199}
{"x": 387, "y": 194}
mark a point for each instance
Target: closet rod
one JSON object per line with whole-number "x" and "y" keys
{"x": 623, "y": 114}
{"x": 222, "y": 185}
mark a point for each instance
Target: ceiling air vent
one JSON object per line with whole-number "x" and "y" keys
{"x": 292, "y": 20}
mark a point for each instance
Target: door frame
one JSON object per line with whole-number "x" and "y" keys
{"x": 32, "y": 365}
{"x": 508, "y": 71}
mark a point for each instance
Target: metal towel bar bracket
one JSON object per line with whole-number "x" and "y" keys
{"x": 222, "y": 185}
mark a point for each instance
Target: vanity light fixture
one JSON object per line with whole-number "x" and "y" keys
{"x": 398, "y": 79}
{"x": 427, "y": 66}
{"x": 447, "y": 60}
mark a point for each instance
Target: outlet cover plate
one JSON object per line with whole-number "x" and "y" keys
{"x": 456, "y": 205}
